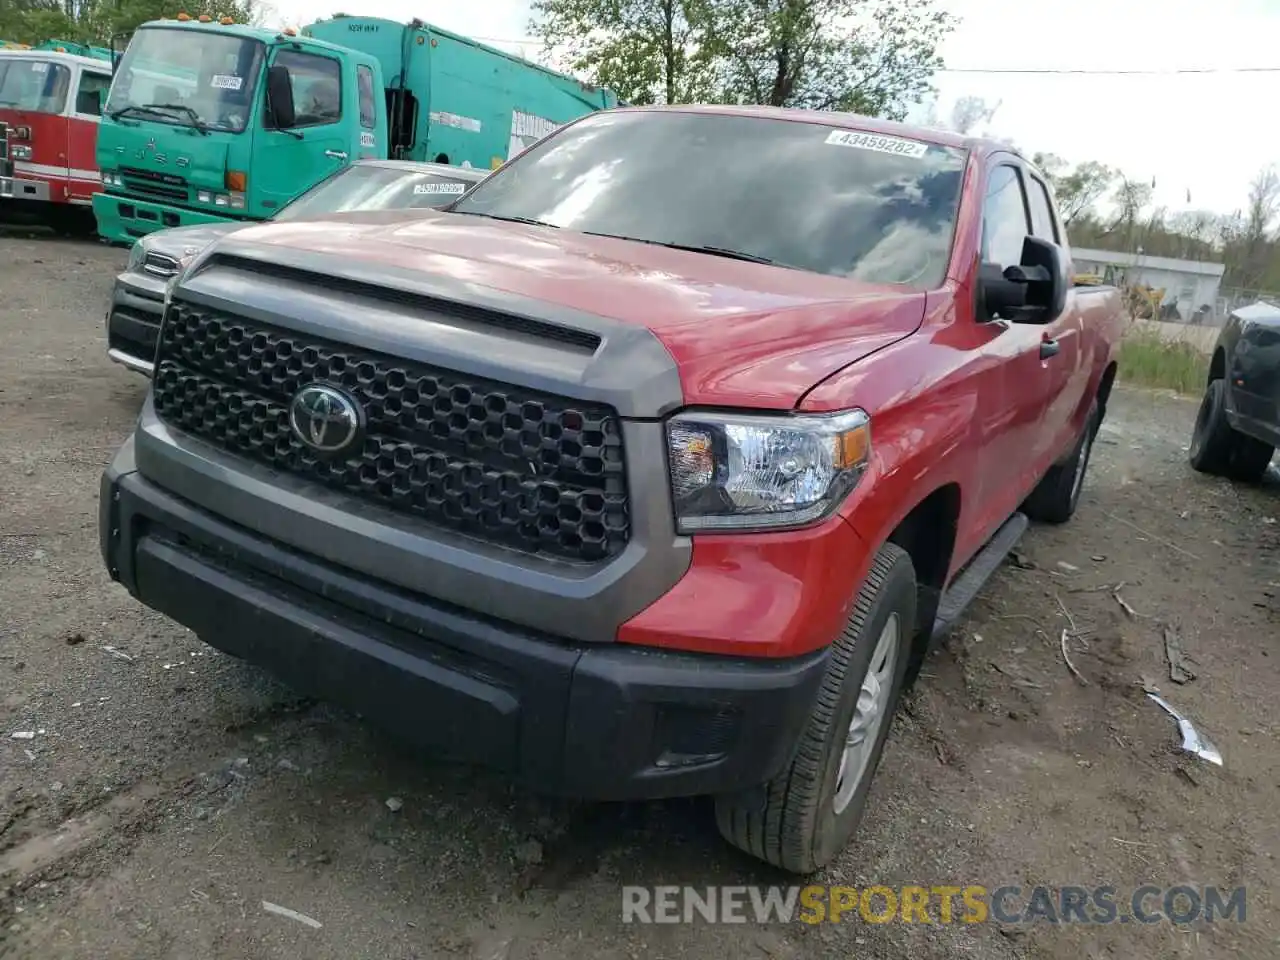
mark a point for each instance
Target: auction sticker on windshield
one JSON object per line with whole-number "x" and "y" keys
{"x": 878, "y": 142}
{"x": 426, "y": 188}
{"x": 221, "y": 82}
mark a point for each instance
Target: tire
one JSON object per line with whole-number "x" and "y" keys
{"x": 1056, "y": 496}
{"x": 1219, "y": 449}
{"x": 805, "y": 821}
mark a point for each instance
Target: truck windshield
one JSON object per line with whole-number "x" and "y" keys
{"x": 376, "y": 188}
{"x": 35, "y": 85}
{"x": 803, "y": 195}
{"x": 187, "y": 78}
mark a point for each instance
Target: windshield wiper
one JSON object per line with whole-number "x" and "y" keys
{"x": 156, "y": 108}
{"x": 181, "y": 108}
{"x": 496, "y": 216}
{"x": 692, "y": 248}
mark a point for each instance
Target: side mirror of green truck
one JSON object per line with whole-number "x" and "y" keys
{"x": 280, "y": 97}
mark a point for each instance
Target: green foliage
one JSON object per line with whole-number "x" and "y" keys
{"x": 874, "y": 57}
{"x": 1149, "y": 360}
{"x": 98, "y": 21}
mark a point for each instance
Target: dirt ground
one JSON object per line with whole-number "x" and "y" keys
{"x": 165, "y": 796}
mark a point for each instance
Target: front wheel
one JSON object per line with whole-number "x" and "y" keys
{"x": 812, "y": 808}
{"x": 1219, "y": 449}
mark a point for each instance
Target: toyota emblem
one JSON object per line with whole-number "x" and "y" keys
{"x": 325, "y": 419}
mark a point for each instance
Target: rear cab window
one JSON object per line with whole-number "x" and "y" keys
{"x": 1043, "y": 224}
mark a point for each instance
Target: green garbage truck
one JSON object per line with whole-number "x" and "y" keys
{"x": 209, "y": 121}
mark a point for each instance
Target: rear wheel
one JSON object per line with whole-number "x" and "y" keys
{"x": 1219, "y": 449}
{"x": 1055, "y": 498}
{"x": 813, "y": 807}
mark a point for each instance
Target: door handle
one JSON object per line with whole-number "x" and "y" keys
{"x": 335, "y": 154}
{"x": 1049, "y": 348}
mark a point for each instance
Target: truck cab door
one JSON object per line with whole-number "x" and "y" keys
{"x": 320, "y": 141}
{"x": 1067, "y": 351}
{"x": 1020, "y": 381}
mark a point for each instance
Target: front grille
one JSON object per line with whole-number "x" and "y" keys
{"x": 159, "y": 186}
{"x": 538, "y": 473}
{"x": 159, "y": 265}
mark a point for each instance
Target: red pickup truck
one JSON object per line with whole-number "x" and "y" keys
{"x": 650, "y": 467}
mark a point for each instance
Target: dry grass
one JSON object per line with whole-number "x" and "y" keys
{"x": 1148, "y": 360}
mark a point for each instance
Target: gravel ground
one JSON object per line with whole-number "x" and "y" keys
{"x": 169, "y": 791}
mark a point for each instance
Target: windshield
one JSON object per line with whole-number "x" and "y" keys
{"x": 36, "y": 85}
{"x": 803, "y": 195}
{"x": 187, "y": 78}
{"x": 376, "y": 188}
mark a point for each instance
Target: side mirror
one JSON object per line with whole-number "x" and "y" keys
{"x": 280, "y": 97}
{"x": 1033, "y": 291}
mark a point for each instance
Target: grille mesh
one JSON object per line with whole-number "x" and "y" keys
{"x": 535, "y": 472}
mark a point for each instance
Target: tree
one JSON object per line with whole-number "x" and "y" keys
{"x": 646, "y": 51}
{"x": 874, "y": 57}
{"x": 1078, "y": 189}
{"x": 968, "y": 112}
{"x": 100, "y": 21}
{"x": 870, "y": 56}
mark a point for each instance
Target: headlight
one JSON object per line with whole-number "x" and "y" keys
{"x": 137, "y": 253}
{"x": 745, "y": 472}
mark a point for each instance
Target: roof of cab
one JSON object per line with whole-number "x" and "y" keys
{"x": 247, "y": 31}
{"x": 14, "y": 54}
{"x": 853, "y": 121}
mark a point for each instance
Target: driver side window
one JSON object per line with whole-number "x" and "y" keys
{"x": 317, "y": 87}
{"x": 1004, "y": 217}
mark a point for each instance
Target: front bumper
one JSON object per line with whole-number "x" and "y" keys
{"x": 596, "y": 721}
{"x": 133, "y": 320}
{"x": 126, "y": 219}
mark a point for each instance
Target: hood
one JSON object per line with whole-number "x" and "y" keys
{"x": 184, "y": 242}
{"x": 742, "y": 334}
{"x": 164, "y": 149}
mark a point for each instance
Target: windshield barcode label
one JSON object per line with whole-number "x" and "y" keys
{"x": 879, "y": 143}
{"x": 221, "y": 82}
{"x": 430, "y": 188}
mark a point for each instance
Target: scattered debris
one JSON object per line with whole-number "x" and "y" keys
{"x": 30, "y": 756}
{"x": 977, "y": 638}
{"x": 394, "y": 804}
{"x": 290, "y": 914}
{"x": 1192, "y": 740}
{"x": 1179, "y": 672}
{"x": 284, "y": 763}
{"x": 118, "y": 654}
{"x": 1021, "y": 562}
{"x": 1133, "y": 614}
{"x": 1098, "y": 558}
{"x": 73, "y": 639}
{"x": 1068, "y": 567}
{"x": 1067, "y": 658}
{"x": 24, "y": 735}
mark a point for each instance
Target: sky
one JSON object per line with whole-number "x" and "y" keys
{"x": 1205, "y": 134}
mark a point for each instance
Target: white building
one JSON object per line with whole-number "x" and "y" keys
{"x": 1189, "y": 285}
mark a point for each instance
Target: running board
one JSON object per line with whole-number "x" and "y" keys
{"x": 975, "y": 576}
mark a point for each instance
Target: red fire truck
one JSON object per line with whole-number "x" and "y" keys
{"x": 50, "y": 103}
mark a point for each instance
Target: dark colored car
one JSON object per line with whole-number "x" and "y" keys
{"x": 137, "y": 301}
{"x": 1238, "y": 427}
